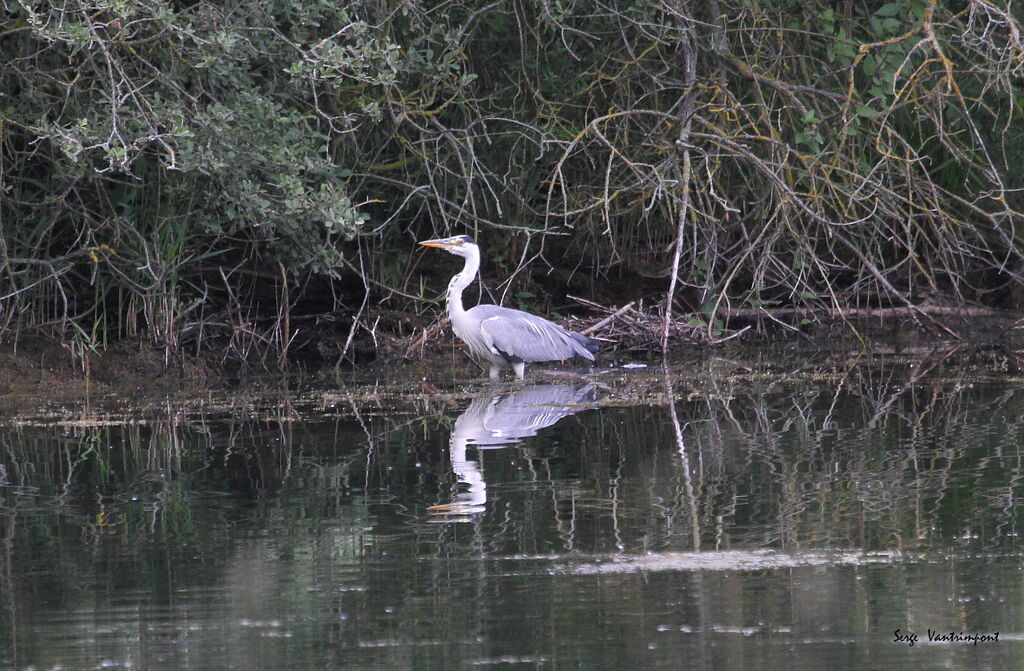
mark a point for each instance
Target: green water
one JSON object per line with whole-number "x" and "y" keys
{"x": 771, "y": 518}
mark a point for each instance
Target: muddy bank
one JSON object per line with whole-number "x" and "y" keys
{"x": 37, "y": 366}
{"x": 42, "y": 383}
{"x": 428, "y": 359}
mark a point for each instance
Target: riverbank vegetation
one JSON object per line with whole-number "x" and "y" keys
{"x": 249, "y": 180}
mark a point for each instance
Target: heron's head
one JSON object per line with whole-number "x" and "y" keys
{"x": 460, "y": 245}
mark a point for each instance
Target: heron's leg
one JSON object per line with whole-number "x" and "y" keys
{"x": 520, "y": 370}
{"x": 495, "y": 372}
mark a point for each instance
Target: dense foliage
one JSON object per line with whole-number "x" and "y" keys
{"x": 175, "y": 169}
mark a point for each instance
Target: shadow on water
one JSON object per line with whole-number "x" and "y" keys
{"x": 766, "y": 515}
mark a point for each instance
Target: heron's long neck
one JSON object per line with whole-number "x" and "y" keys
{"x": 460, "y": 282}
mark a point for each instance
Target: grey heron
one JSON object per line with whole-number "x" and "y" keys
{"x": 497, "y": 336}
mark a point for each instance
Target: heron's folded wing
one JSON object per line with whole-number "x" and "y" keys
{"x": 519, "y": 336}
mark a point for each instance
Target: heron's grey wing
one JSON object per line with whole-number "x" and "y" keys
{"x": 519, "y": 336}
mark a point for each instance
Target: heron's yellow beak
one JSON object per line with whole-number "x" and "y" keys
{"x": 442, "y": 243}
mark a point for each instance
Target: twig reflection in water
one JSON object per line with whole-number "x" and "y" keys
{"x": 501, "y": 419}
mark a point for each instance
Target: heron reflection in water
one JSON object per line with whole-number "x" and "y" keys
{"x": 498, "y": 420}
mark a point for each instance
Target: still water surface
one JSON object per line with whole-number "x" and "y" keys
{"x": 764, "y": 518}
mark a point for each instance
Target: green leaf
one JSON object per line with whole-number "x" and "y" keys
{"x": 845, "y": 49}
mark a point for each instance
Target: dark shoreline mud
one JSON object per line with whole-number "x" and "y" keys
{"x": 41, "y": 383}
